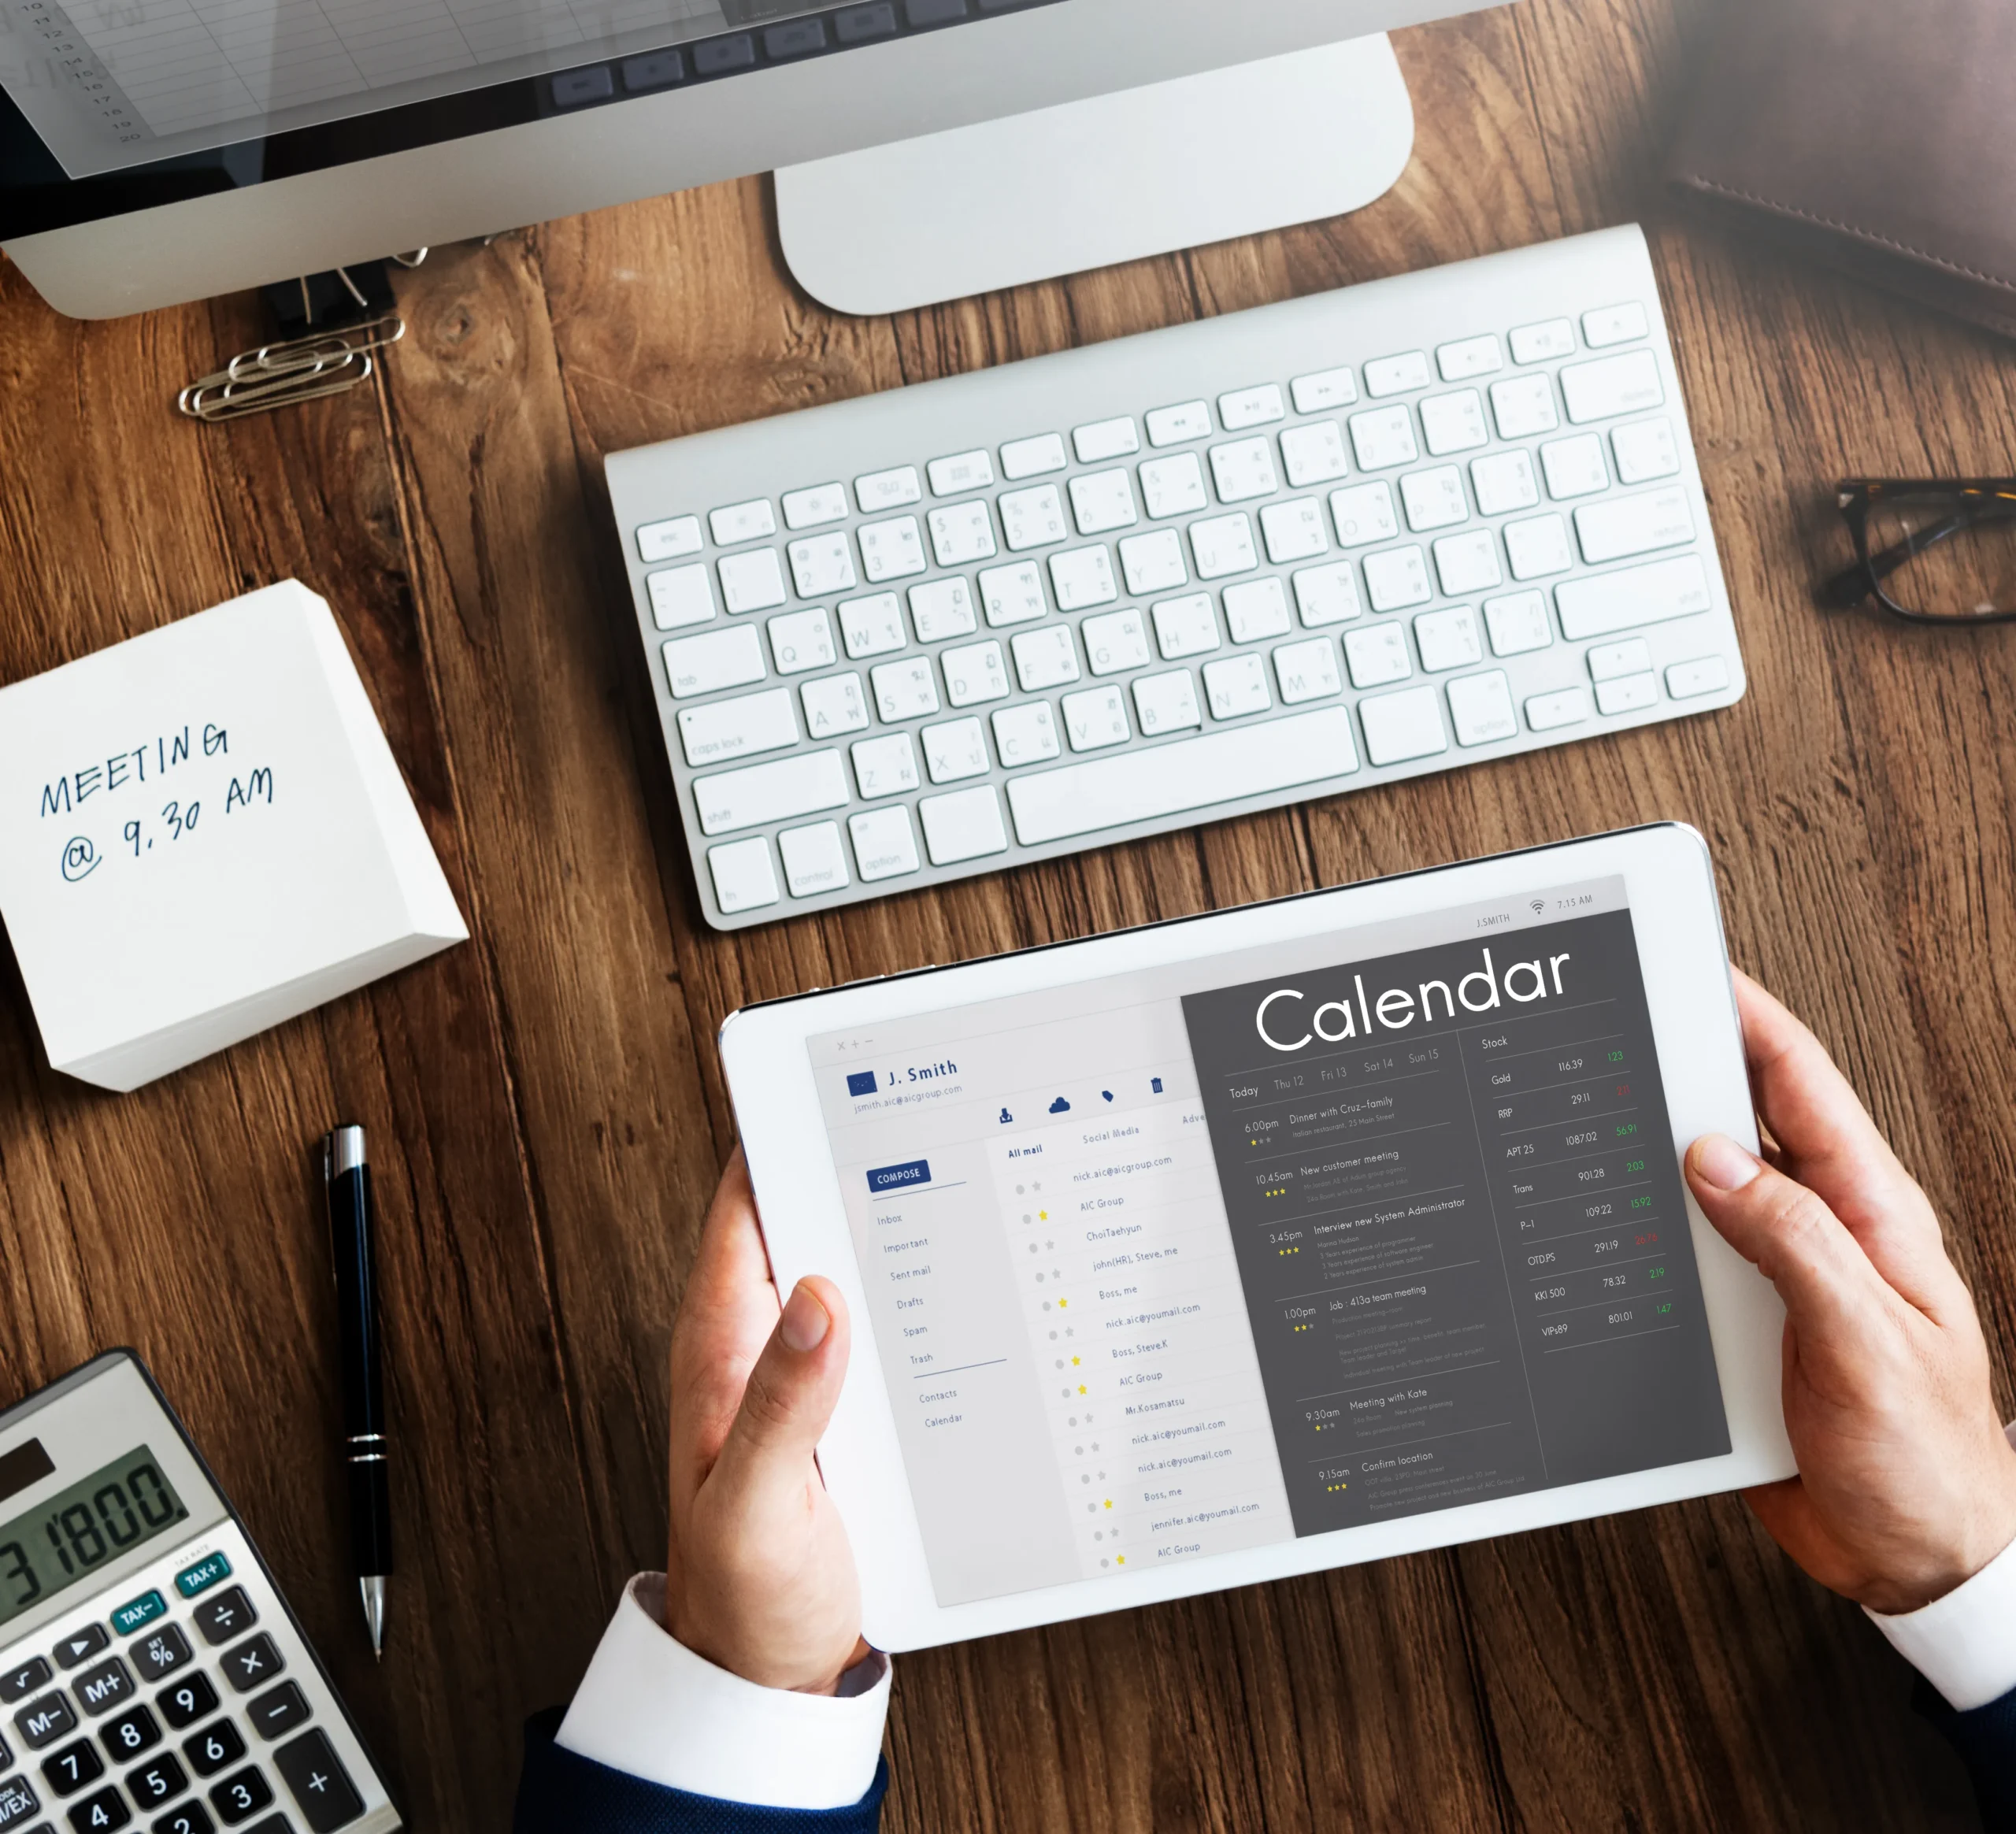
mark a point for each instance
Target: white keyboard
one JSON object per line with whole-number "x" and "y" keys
{"x": 1315, "y": 547}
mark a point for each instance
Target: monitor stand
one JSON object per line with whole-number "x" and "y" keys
{"x": 1087, "y": 184}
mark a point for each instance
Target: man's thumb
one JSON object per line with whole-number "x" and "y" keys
{"x": 1796, "y": 1242}
{"x": 793, "y": 1389}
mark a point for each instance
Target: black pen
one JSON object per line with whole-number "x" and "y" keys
{"x": 348, "y": 1180}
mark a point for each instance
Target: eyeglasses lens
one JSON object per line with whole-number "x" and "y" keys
{"x": 1947, "y": 556}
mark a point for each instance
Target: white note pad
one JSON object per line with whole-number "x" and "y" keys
{"x": 202, "y": 833}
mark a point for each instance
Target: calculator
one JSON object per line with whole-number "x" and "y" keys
{"x": 151, "y": 1675}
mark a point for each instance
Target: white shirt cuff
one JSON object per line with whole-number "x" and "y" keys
{"x": 1965, "y": 1643}
{"x": 651, "y": 1707}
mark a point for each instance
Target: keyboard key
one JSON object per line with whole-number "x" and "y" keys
{"x": 1400, "y": 727}
{"x": 1435, "y": 499}
{"x": 1517, "y": 623}
{"x": 1314, "y": 454}
{"x": 1294, "y": 531}
{"x": 1329, "y": 388}
{"x": 1033, "y": 518}
{"x": 888, "y": 490}
{"x": 1252, "y": 407}
{"x": 681, "y": 596}
{"x": 1327, "y": 595}
{"x": 255, "y": 1661}
{"x": 1105, "y": 439}
{"x": 1480, "y": 709}
{"x": 737, "y": 728}
{"x": 1224, "y": 547}
{"x": 964, "y": 471}
{"x": 1575, "y": 468}
{"x": 955, "y": 751}
{"x": 668, "y": 541}
{"x": 1257, "y": 611}
{"x": 1176, "y": 779}
{"x": 1244, "y": 470}
{"x": 1467, "y": 564}
{"x": 1154, "y": 563}
{"x": 1615, "y": 324}
{"x": 871, "y": 626}
{"x": 100, "y": 1689}
{"x": 82, "y": 1645}
{"x": 760, "y": 794}
{"x": 1178, "y": 426}
{"x": 1542, "y": 343}
{"x": 962, "y": 534}
{"x": 241, "y": 1796}
{"x": 187, "y": 1701}
{"x": 1624, "y": 528}
{"x": 1083, "y": 578}
{"x": 1469, "y": 357}
{"x": 280, "y": 1709}
{"x": 1031, "y": 458}
{"x": 1102, "y": 500}
{"x": 814, "y": 863}
{"x": 138, "y": 1613}
{"x": 943, "y": 608}
{"x": 160, "y": 1653}
{"x": 213, "y": 1747}
{"x": 695, "y": 665}
{"x": 800, "y": 640}
{"x": 318, "y": 1782}
{"x": 1628, "y": 693}
{"x": 1523, "y": 406}
{"x": 1364, "y": 514}
{"x": 1397, "y": 580}
{"x": 1686, "y": 681}
{"x": 1236, "y": 686}
{"x": 741, "y": 522}
{"x": 1045, "y": 658}
{"x": 975, "y": 674}
{"x": 821, "y": 564}
{"x": 1640, "y": 595}
{"x": 1617, "y": 385}
{"x": 1166, "y": 703}
{"x": 755, "y": 581}
{"x": 1116, "y": 642}
{"x": 23, "y": 1679}
{"x": 1013, "y": 595}
{"x": 192, "y": 1818}
{"x": 98, "y": 1814}
{"x": 891, "y": 550}
{"x": 1608, "y": 662}
{"x": 885, "y": 766}
{"x": 42, "y": 1722}
{"x": 834, "y": 706}
{"x": 815, "y": 508}
{"x": 69, "y": 1770}
{"x": 1401, "y": 375}
{"x": 1025, "y": 735}
{"x": 1377, "y": 654}
{"x": 1504, "y": 482}
{"x": 1174, "y": 487}
{"x": 1185, "y": 626}
{"x": 1448, "y": 639}
{"x": 1539, "y": 547}
{"x": 1382, "y": 439}
{"x": 126, "y": 1737}
{"x": 1647, "y": 450}
{"x": 1454, "y": 423}
{"x": 161, "y": 1781}
{"x": 1307, "y": 671}
{"x": 18, "y": 1801}
{"x": 744, "y": 879}
{"x": 905, "y": 690}
{"x": 1096, "y": 719}
{"x": 1546, "y": 713}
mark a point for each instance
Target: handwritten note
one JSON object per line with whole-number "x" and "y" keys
{"x": 202, "y": 832}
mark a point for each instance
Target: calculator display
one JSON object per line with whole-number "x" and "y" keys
{"x": 68, "y": 1537}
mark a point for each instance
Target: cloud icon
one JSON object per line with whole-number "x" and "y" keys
{"x": 1060, "y": 1106}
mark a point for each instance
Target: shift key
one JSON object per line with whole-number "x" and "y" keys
{"x": 1624, "y": 528}
{"x": 771, "y": 792}
{"x": 1638, "y": 595}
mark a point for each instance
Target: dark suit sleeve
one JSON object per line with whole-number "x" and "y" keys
{"x": 562, "y": 1793}
{"x": 1986, "y": 1740}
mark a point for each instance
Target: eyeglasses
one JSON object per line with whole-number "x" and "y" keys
{"x": 1934, "y": 552}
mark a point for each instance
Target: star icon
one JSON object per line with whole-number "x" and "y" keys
{"x": 1081, "y": 1387}
{"x": 1074, "y": 1362}
{"x": 1109, "y": 1503}
{"x": 1042, "y": 1215}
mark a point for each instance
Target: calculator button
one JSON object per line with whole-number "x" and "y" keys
{"x": 128, "y": 1735}
{"x": 202, "y": 1576}
{"x": 101, "y": 1689}
{"x": 210, "y": 1752}
{"x": 71, "y": 1768}
{"x": 18, "y": 1683}
{"x": 160, "y": 1653}
{"x": 187, "y": 1701}
{"x": 18, "y": 1801}
{"x": 327, "y": 1797}
{"x": 225, "y": 1616}
{"x": 160, "y": 1781}
{"x": 138, "y": 1613}
{"x": 6, "y": 1756}
{"x": 190, "y": 1818}
{"x": 42, "y": 1722}
{"x": 82, "y": 1646}
{"x": 245, "y": 1794}
{"x": 279, "y": 1711}
{"x": 96, "y": 1815}
{"x": 253, "y": 1664}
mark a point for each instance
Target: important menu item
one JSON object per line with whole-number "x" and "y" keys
{"x": 1214, "y": 1256}
{"x": 203, "y": 833}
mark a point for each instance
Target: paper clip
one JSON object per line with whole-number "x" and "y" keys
{"x": 277, "y": 376}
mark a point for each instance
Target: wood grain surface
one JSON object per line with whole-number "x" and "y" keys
{"x": 545, "y": 1105}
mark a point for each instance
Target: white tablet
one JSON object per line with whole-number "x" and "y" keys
{"x": 1274, "y": 1239}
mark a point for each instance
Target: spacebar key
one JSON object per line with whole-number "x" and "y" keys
{"x": 1172, "y": 780}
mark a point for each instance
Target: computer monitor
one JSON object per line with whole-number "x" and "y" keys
{"x": 155, "y": 151}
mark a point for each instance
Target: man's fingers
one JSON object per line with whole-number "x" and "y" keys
{"x": 792, "y": 1392}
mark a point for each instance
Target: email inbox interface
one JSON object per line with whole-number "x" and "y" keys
{"x": 1165, "y": 1267}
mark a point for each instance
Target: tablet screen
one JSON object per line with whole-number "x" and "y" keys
{"x": 1216, "y": 1254}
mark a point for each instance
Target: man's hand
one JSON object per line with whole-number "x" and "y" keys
{"x": 1906, "y": 1486}
{"x": 759, "y": 1578}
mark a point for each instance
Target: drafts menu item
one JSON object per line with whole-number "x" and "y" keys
{"x": 203, "y": 833}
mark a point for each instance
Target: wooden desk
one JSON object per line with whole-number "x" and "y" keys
{"x": 547, "y": 1114}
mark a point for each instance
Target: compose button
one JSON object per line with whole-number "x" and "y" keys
{"x": 894, "y": 1177}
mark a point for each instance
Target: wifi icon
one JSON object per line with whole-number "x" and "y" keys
{"x": 1539, "y": 904}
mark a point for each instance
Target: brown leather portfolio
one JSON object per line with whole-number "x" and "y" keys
{"x": 1879, "y": 135}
